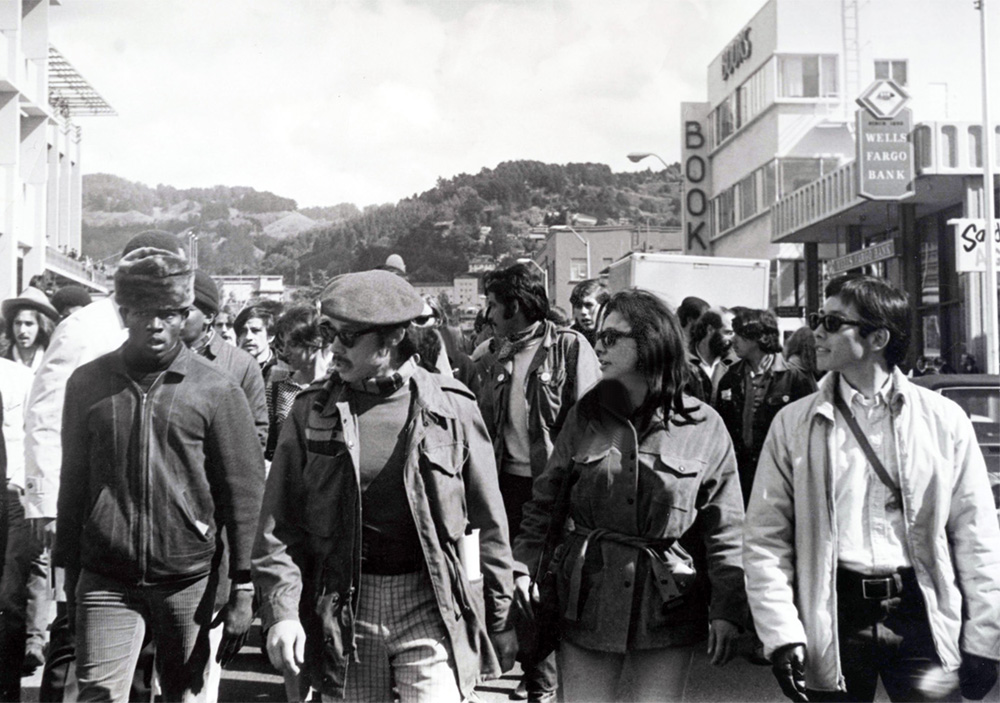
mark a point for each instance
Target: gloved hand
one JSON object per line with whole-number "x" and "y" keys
{"x": 977, "y": 675}
{"x": 235, "y": 619}
{"x": 789, "y": 666}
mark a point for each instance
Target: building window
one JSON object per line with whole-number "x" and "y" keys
{"x": 742, "y": 105}
{"x": 577, "y": 269}
{"x": 807, "y": 77}
{"x": 891, "y": 69}
{"x": 976, "y": 145}
{"x": 798, "y": 172}
{"x": 752, "y": 195}
{"x": 949, "y": 146}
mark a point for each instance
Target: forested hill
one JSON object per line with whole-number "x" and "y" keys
{"x": 242, "y": 230}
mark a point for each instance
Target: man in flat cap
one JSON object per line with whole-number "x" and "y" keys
{"x": 157, "y": 444}
{"x": 376, "y": 478}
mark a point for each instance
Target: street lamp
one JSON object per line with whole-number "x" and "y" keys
{"x": 637, "y": 156}
{"x": 545, "y": 274}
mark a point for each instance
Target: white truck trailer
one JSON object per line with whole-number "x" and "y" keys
{"x": 720, "y": 281}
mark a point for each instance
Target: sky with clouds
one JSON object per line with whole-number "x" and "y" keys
{"x": 370, "y": 101}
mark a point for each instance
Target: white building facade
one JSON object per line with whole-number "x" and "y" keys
{"x": 40, "y": 177}
{"x": 770, "y": 157}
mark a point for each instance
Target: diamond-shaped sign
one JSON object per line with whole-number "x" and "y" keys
{"x": 884, "y": 99}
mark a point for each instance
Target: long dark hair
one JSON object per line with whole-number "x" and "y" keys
{"x": 660, "y": 348}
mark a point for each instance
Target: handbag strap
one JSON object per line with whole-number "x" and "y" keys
{"x": 873, "y": 459}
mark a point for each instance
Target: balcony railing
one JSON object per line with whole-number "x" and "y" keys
{"x": 834, "y": 192}
{"x": 84, "y": 271}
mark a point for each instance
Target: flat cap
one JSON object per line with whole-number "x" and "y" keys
{"x": 373, "y": 298}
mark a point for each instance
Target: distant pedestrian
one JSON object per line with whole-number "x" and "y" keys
{"x": 29, "y": 320}
{"x": 255, "y": 333}
{"x": 800, "y": 351}
{"x": 711, "y": 351}
{"x": 69, "y": 299}
{"x": 688, "y": 312}
{"x": 756, "y": 387}
{"x": 188, "y": 453}
{"x": 587, "y": 299}
{"x": 872, "y": 548}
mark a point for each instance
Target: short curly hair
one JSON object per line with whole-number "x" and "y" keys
{"x": 759, "y": 326}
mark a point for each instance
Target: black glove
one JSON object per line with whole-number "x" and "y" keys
{"x": 977, "y": 675}
{"x": 789, "y": 666}
{"x": 235, "y": 619}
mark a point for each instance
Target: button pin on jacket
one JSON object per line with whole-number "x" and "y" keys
{"x": 500, "y": 377}
{"x": 784, "y": 398}
{"x": 545, "y": 376}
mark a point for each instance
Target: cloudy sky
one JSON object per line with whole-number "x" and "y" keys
{"x": 370, "y": 101}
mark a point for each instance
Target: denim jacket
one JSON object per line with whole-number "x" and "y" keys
{"x": 563, "y": 368}
{"x": 145, "y": 473}
{"x": 652, "y": 546}
{"x": 307, "y": 558}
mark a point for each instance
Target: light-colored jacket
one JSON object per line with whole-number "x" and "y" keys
{"x": 15, "y": 382}
{"x": 951, "y": 530}
{"x": 82, "y": 337}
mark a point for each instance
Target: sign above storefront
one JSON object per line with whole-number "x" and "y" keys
{"x": 863, "y": 257}
{"x": 970, "y": 244}
{"x": 738, "y": 51}
{"x": 883, "y": 99}
{"x": 884, "y": 159}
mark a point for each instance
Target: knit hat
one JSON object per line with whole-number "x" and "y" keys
{"x": 206, "y": 293}
{"x": 70, "y": 297}
{"x": 150, "y": 278}
{"x": 371, "y": 298}
{"x": 32, "y": 298}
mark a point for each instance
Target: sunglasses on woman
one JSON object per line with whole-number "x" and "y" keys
{"x": 609, "y": 337}
{"x": 831, "y": 323}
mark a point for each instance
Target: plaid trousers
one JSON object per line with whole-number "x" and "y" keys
{"x": 402, "y": 644}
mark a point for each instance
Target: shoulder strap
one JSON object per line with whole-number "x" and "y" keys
{"x": 873, "y": 459}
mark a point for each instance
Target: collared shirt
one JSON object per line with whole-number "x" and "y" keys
{"x": 755, "y": 388}
{"x": 869, "y": 518}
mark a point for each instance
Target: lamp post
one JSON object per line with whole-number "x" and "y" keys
{"x": 990, "y": 299}
{"x": 545, "y": 274}
{"x": 637, "y": 156}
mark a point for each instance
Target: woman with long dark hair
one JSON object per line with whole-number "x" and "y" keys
{"x": 648, "y": 559}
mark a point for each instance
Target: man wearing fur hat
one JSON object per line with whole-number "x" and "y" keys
{"x": 376, "y": 477}
{"x": 157, "y": 442}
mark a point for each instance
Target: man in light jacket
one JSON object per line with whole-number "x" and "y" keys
{"x": 874, "y": 551}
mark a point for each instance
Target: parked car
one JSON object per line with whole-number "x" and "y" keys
{"x": 979, "y": 396}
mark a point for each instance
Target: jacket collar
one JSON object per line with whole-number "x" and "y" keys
{"x": 898, "y": 396}
{"x": 178, "y": 367}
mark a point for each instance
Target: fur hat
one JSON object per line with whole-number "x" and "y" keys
{"x": 152, "y": 279}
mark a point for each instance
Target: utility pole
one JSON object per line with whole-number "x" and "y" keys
{"x": 990, "y": 295}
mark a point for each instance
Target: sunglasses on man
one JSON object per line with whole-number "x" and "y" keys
{"x": 832, "y": 323}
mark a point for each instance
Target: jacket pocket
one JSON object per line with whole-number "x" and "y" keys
{"x": 336, "y": 617}
{"x": 106, "y": 536}
{"x": 329, "y": 480}
{"x": 680, "y": 479}
{"x": 549, "y": 393}
{"x": 441, "y": 468}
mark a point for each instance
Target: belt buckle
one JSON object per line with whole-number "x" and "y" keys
{"x": 876, "y": 589}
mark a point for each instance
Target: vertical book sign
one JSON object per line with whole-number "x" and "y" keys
{"x": 697, "y": 180}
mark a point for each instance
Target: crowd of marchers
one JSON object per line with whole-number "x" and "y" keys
{"x": 409, "y": 509}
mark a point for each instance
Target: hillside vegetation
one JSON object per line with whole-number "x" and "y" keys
{"x": 242, "y": 230}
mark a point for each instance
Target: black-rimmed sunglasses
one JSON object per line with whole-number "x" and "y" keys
{"x": 609, "y": 338}
{"x": 831, "y": 323}
{"x": 350, "y": 337}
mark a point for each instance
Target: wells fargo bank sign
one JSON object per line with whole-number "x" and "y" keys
{"x": 884, "y": 158}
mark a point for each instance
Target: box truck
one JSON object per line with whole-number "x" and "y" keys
{"x": 720, "y": 281}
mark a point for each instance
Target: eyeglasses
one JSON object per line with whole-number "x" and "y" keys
{"x": 831, "y": 323}
{"x": 350, "y": 337}
{"x": 609, "y": 337}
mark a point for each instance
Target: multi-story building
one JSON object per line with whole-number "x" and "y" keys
{"x": 770, "y": 158}
{"x": 41, "y": 96}
{"x": 575, "y": 253}
{"x": 236, "y": 291}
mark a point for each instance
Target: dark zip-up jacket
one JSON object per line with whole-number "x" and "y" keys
{"x": 144, "y": 474}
